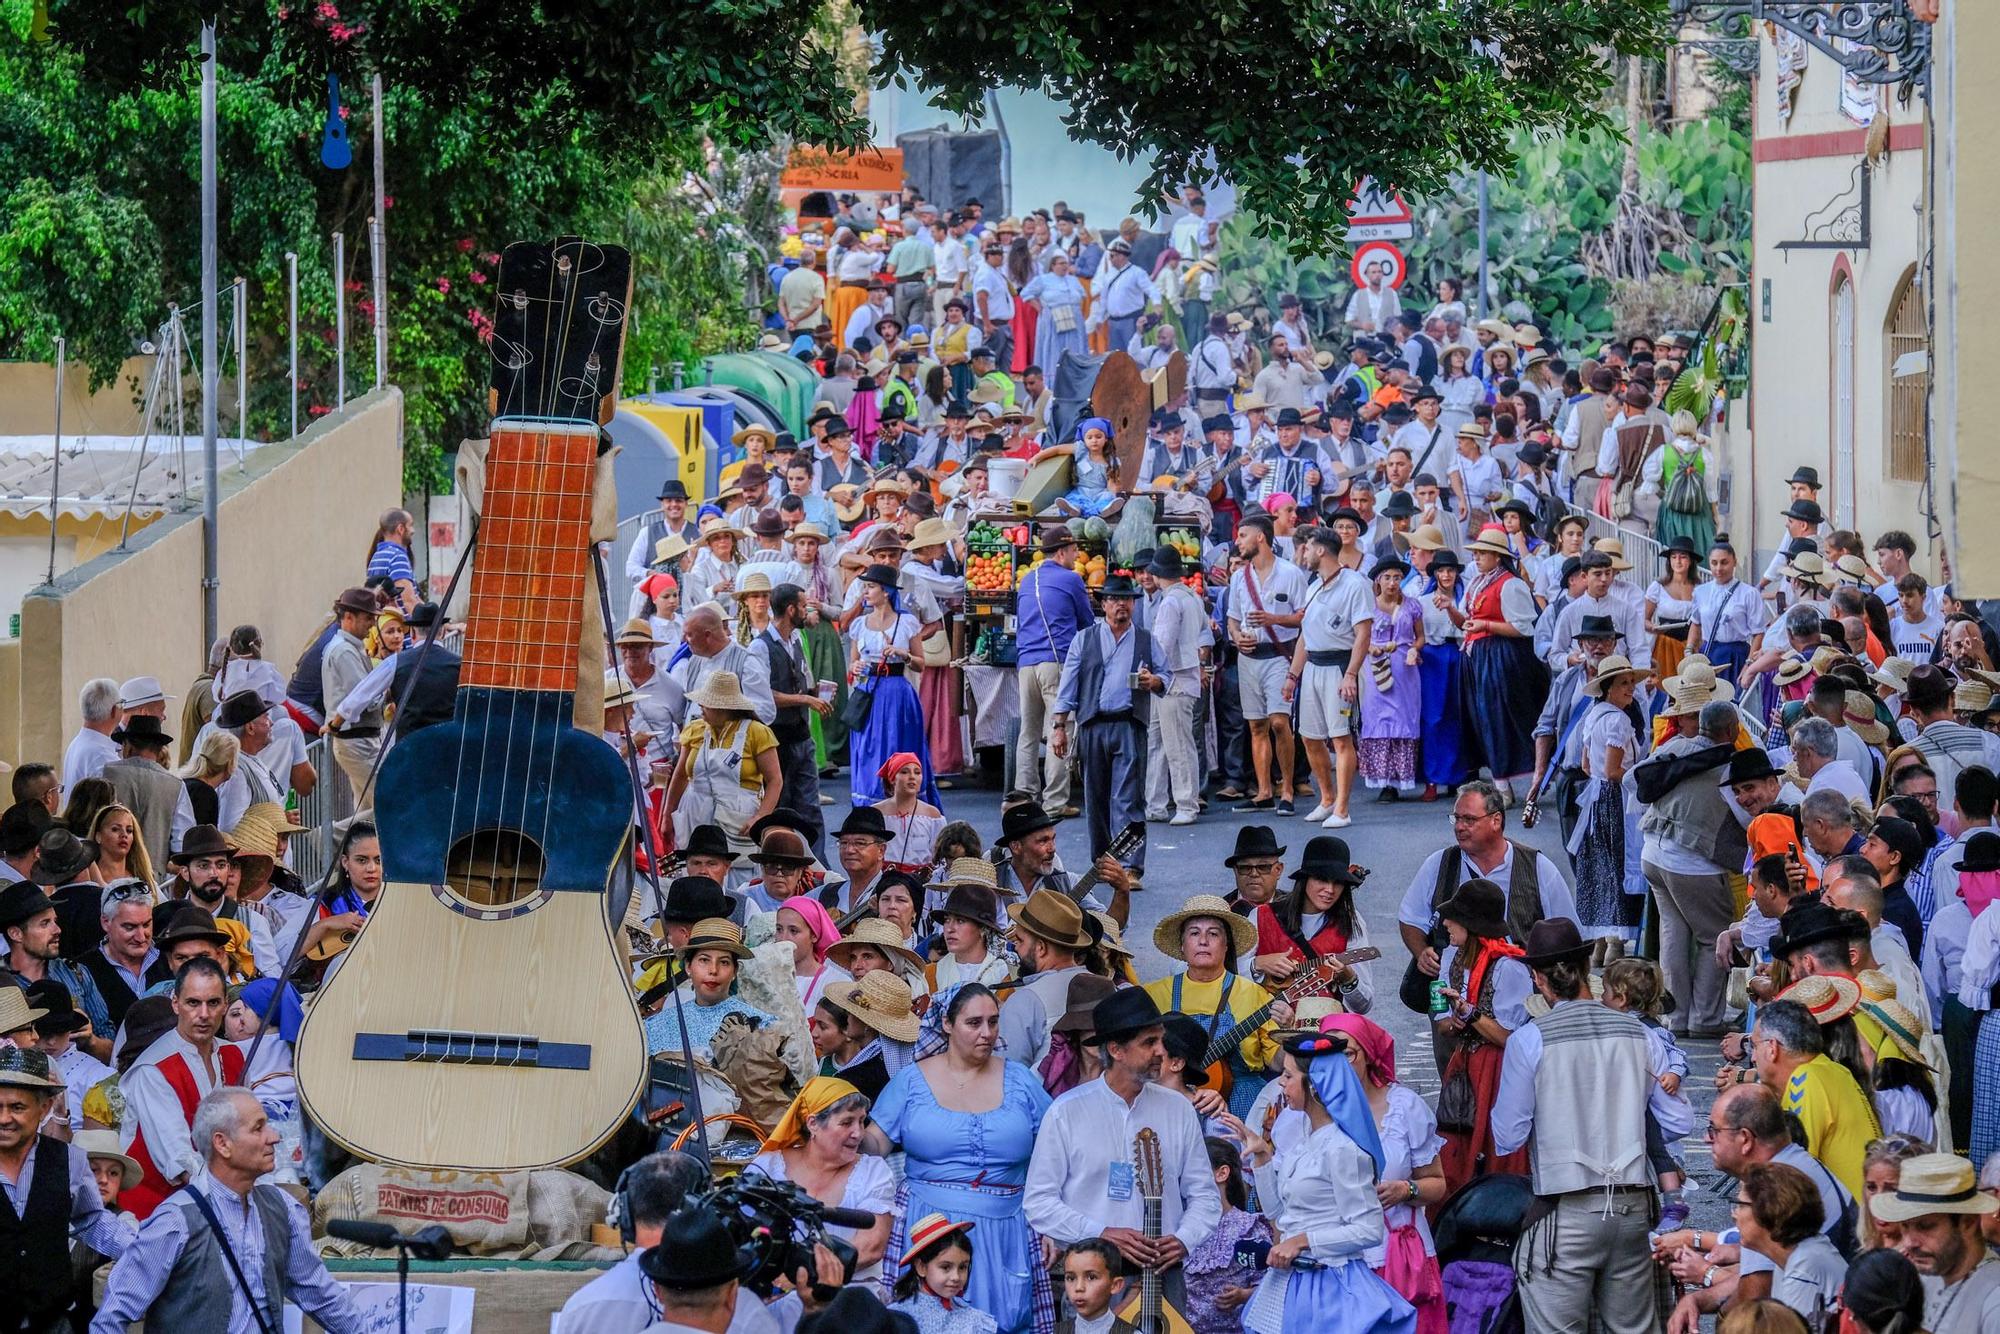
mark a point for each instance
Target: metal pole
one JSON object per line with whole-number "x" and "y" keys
{"x": 1481, "y": 305}
{"x": 379, "y": 231}
{"x": 339, "y": 322}
{"x": 292, "y": 333}
{"x": 242, "y": 374}
{"x": 154, "y": 391}
{"x": 210, "y": 370}
{"x": 55, "y": 457}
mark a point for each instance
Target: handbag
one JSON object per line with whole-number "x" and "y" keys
{"x": 860, "y": 703}
{"x": 1457, "y": 1109}
{"x": 1415, "y": 989}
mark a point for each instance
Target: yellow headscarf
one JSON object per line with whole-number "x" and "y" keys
{"x": 820, "y": 1093}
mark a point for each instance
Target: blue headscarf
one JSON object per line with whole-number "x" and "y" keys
{"x": 804, "y": 346}
{"x": 1339, "y": 1091}
{"x": 291, "y": 1012}
{"x": 1101, "y": 423}
{"x": 706, "y": 511}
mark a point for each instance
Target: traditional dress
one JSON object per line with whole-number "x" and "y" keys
{"x": 1060, "y": 326}
{"x": 162, "y": 1089}
{"x": 1500, "y": 985}
{"x": 1218, "y": 1006}
{"x": 1504, "y": 683}
{"x": 1392, "y": 718}
{"x": 970, "y": 1166}
{"x": 1407, "y": 1259}
{"x": 1669, "y": 611}
{"x": 1610, "y": 887}
{"x": 1439, "y": 670}
{"x": 1212, "y": 1266}
{"x": 825, "y": 654}
{"x": 895, "y": 719}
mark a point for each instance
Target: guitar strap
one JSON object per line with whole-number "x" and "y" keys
{"x": 229, "y": 1253}
{"x": 1221, "y": 1002}
{"x": 1296, "y": 937}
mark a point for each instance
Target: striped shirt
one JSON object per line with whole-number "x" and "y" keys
{"x": 391, "y": 559}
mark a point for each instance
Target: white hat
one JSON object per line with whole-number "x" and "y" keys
{"x": 139, "y": 691}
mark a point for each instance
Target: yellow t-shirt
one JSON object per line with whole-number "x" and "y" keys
{"x": 1838, "y": 1117}
{"x": 756, "y": 740}
{"x": 1199, "y": 999}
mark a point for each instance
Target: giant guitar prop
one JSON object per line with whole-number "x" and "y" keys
{"x": 482, "y": 1018}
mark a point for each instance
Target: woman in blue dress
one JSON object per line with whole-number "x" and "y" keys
{"x": 965, "y": 1118}
{"x": 1442, "y": 764}
{"x": 885, "y": 644}
{"x": 1060, "y": 326}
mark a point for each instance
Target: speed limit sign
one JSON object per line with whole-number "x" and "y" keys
{"x": 1378, "y": 252}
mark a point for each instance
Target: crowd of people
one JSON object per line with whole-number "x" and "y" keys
{"x": 1776, "y": 801}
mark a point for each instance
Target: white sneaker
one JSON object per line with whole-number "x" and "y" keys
{"x": 1181, "y": 819}
{"x": 1336, "y": 822}
{"x": 1319, "y": 812}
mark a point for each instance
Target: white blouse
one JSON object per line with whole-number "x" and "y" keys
{"x": 1513, "y": 984}
{"x": 1410, "y": 1140}
{"x": 1667, "y": 608}
{"x": 1325, "y": 1189}
{"x": 1603, "y": 727}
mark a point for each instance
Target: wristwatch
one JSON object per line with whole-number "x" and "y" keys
{"x": 1414, "y": 1194}
{"x": 1708, "y": 1277}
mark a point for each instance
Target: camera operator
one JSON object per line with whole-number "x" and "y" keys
{"x": 624, "y": 1301}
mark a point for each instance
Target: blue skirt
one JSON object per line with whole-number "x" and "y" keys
{"x": 1501, "y": 691}
{"x": 1345, "y": 1299}
{"x": 895, "y": 722}
{"x": 1443, "y": 753}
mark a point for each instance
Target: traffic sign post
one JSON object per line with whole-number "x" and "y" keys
{"x": 1378, "y": 252}
{"x": 1372, "y": 203}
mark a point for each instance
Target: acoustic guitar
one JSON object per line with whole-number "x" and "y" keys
{"x": 1148, "y": 1311}
{"x": 482, "y": 1018}
{"x": 1313, "y": 979}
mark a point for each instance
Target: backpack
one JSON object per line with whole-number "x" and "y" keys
{"x": 1685, "y": 493}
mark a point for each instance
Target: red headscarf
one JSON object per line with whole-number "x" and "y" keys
{"x": 1375, "y": 1043}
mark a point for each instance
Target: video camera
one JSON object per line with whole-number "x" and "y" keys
{"x": 781, "y": 1224}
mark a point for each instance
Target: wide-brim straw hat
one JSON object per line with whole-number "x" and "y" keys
{"x": 619, "y": 694}
{"x": 1491, "y": 539}
{"x": 669, "y": 548}
{"x": 716, "y": 933}
{"x": 876, "y": 934}
{"x": 635, "y": 632}
{"x": 928, "y": 1232}
{"x": 1612, "y": 669}
{"x": 261, "y": 830}
{"x": 806, "y": 529}
{"x": 1900, "y": 1026}
{"x": 1858, "y": 713}
{"x": 1053, "y": 917}
{"x": 756, "y": 581}
{"x": 715, "y": 526}
{"x": 104, "y": 1144}
{"x": 1827, "y": 996}
{"x": 880, "y": 1000}
{"x": 1893, "y": 673}
{"x": 932, "y": 533}
{"x": 1426, "y": 537}
{"x": 1615, "y": 549}
{"x": 16, "y": 1014}
{"x": 1167, "y": 935}
{"x": 722, "y": 690}
{"x": 1114, "y": 939}
{"x": 1933, "y": 1183}
{"x": 884, "y": 486}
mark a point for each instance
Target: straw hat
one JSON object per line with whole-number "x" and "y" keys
{"x": 1167, "y": 935}
{"x": 104, "y": 1144}
{"x": 1426, "y": 537}
{"x": 716, "y": 933}
{"x": 756, "y": 581}
{"x": 877, "y": 934}
{"x": 1792, "y": 669}
{"x": 1933, "y": 1183}
{"x": 16, "y": 1014}
{"x": 1612, "y": 669}
{"x": 931, "y": 533}
{"x": 1491, "y": 539}
{"x": 806, "y": 529}
{"x": 636, "y": 631}
{"x": 721, "y": 691}
{"x": 1696, "y": 686}
{"x": 1893, "y": 673}
{"x": 1806, "y": 567}
{"x": 1252, "y": 402}
{"x": 1472, "y": 431}
{"x": 884, "y": 486}
{"x": 1900, "y": 1027}
{"x": 1858, "y": 712}
{"x": 1500, "y": 329}
{"x": 758, "y": 431}
{"x": 715, "y": 526}
{"x": 1114, "y": 939}
{"x": 880, "y": 1000}
{"x": 619, "y": 694}
{"x": 1829, "y": 996}
{"x": 1615, "y": 549}
{"x": 669, "y": 548}
{"x": 928, "y": 1232}
{"x": 1850, "y": 569}
{"x": 261, "y": 830}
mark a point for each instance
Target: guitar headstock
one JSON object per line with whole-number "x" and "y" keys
{"x": 1127, "y": 841}
{"x": 559, "y": 330}
{"x": 1146, "y": 1163}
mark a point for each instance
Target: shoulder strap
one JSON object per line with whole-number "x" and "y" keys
{"x": 1449, "y": 866}
{"x": 229, "y": 1254}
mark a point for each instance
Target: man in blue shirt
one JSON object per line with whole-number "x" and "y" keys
{"x": 1109, "y": 677}
{"x": 390, "y": 557}
{"x": 1051, "y": 605}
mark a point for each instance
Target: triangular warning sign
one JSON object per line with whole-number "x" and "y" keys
{"x": 1372, "y": 203}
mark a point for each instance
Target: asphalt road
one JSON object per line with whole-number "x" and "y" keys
{"x": 1391, "y": 839}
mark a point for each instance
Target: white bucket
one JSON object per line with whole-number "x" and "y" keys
{"x": 1004, "y": 476}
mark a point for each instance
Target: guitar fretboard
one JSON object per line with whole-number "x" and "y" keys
{"x": 531, "y": 573}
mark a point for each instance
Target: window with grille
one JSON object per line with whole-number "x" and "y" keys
{"x": 1906, "y": 392}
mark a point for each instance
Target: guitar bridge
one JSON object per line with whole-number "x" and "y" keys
{"x": 459, "y": 1047}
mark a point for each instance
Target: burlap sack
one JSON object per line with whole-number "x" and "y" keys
{"x": 514, "y": 1215}
{"x": 753, "y": 1060}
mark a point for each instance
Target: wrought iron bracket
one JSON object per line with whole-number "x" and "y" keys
{"x": 1842, "y": 223}
{"x": 1885, "y": 42}
{"x": 1737, "y": 53}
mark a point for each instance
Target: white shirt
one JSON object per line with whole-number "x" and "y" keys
{"x": 1415, "y": 910}
{"x": 1336, "y": 611}
{"x": 1081, "y": 1178}
{"x": 1513, "y": 985}
{"x": 1514, "y": 1104}
{"x": 1481, "y": 477}
{"x": 1281, "y": 591}
{"x": 1324, "y": 1188}
{"x": 999, "y": 295}
{"x": 871, "y": 1188}
{"x": 621, "y": 1301}
{"x": 1127, "y": 291}
{"x": 1636, "y": 644}
{"x": 1730, "y": 613}
{"x": 156, "y": 1108}
{"x": 951, "y": 260}
{"x": 1840, "y": 776}
{"x": 1916, "y": 641}
{"x": 1376, "y": 308}
{"x": 1179, "y": 619}
{"x": 86, "y": 757}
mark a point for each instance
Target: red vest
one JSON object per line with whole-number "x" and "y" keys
{"x": 1485, "y": 606}
{"x": 153, "y": 1187}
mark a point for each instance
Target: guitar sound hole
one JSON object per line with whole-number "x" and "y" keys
{"x": 495, "y": 867}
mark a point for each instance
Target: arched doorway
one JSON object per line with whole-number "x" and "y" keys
{"x": 1843, "y": 402}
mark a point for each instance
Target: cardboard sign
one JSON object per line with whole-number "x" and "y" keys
{"x": 879, "y": 170}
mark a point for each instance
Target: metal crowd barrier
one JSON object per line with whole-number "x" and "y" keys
{"x": 312, "y": 852}
{"x": 1641, "y": 550}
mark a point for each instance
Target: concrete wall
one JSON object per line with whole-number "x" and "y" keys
{"x": 28, "y": 392}
{"x": 295, "y": 526}
{"x": 1802, "y": 167}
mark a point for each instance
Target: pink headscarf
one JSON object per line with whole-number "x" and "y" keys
{"x": 1978, "y": 889}
{"x": 1375, "y": 1043}
{"x": 818, "y": 921}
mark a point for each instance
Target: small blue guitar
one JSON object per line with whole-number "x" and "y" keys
{"x": 333, "y": 150}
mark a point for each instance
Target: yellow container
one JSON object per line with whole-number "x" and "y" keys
{"x": 680, "y": 438}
